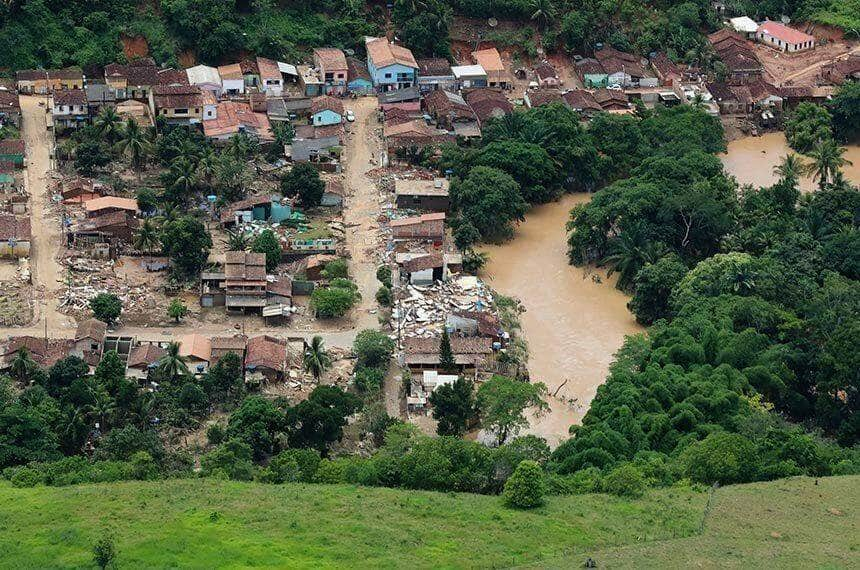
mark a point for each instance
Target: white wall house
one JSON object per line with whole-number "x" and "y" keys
{"x": 783, "y": 38}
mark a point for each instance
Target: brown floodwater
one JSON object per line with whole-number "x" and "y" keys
{"x": 751, "y": 160}
{"x": 575, "y": 319}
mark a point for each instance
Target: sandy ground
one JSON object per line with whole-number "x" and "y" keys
{"x": 801, "y": 68}
{"x": 362, "y": 208}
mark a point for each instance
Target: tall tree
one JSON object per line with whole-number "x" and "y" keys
{"x": 827, "y": 161}
{"x": 453, "y": 407}
{"x": 316, "y": 359}
{"x": 502, "y": 404}
{"x": 135, "y": 144}
{"x": 172, "y": 364}
{"x": 109, "y": 125}
{"x": 446, "y": 355}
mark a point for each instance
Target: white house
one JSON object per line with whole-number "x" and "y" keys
{"x": 468, "y": 76}
{"x": 744, "y": 25}
{"x": 69, "y": 107}
{"x": 206, "y": 78}
{"x": 232, "y": 79}
{"x": 783, "y": 38}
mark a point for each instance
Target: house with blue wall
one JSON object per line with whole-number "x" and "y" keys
{"x": 359, "y": 78}
{"x": 390, "y": 66}
{"x": 326, "y": 110}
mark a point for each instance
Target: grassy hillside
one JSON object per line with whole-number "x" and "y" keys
{"x": 206, "y": 524}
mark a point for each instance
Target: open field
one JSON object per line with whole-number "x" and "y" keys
{"x": 208, "y": 523}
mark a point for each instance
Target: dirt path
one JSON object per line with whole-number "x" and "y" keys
{"x": 46, "y": 231}
{"x": 362, "y": 209}
{"x": 813, "y": 69}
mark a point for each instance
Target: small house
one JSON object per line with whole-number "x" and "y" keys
{"x": 359, "y": 81}
{"x": 665, "y": 69}
{"x": 546, "y": 76}
{"x": 271, "y": 81}
{"x": 423, "y": 269}
{"x": 725, "y": 99}
{"x": 488, "y": 104}
{"x": 104, "y": 228}
{"x": 15, "y": 236}
{"x": 314, "y": 265}
{"x": 178, "y": 104}
{"x": 110, "y": 204}
{"x": 333, "y": 194}
{"x": 70, "y": 78}
{"x": 491, "y": 61}
{"x": 541, "y": 97}
{"x": 435, "y": 73}
{"x": 223, "y": 345}
{"x": 12, "y": 150}
{"x": 143, "y": 358}
{"x": 581, "y": 101}
{"x": 232, "y": 79}
{"x": 745, "y": 26}
{"x": 205, "y": 78}
{"x": 89, "y": 340}
{"x": 251, "y": 74}
{"x": 10, "y": 108}
{"x": 391, "y": 66}
{"x": 612, "y": 99}
{"x": 171, "y": 76}
{"x": 326, "y": 110}
{"x": 474, "y": 323}
{"x": 245, "y": 281}
{"x": 136, "y": 111}
{"x": 99, "y": 96}
{"x": 427, "y": 195}
{"x": 469, "y": 353}
{"x": 591, "y": 73}
{"x": 333, "y": 70}
{"x": 784, "y": 38}
{"x": 232, "y": 118}
{"x": 426, "y": 227}
{"x": 32, "y": 81}
{"x": 622, "y": 69}
{"x": 134, "y": 80}
{"x": 309, "y": 81}
{"x": 197, "y": 352}
{"x": 447, "y": 108}
{"x": 266, "y": 359}
{"x": 469, "y": 76}
{"x": 69, "y": 108}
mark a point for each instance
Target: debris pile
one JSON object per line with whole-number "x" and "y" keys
{"x": 16, "y": 304}
{"x": 88, "y": 277}
{"x": 422, "y": 311}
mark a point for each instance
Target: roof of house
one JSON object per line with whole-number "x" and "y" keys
{"x": 334, "y": 186}
{"x": 66, "y": 73}
{"x": 545, "y": 70}
{"x": 434, "y": 66}
{"x": 580, "y": 100}
{"x": 488, "y": 103}
{"x": 233, "y": 116}
{"x": 744, "y": 24}
{"x": 143, "y": 355}
{"x": 435, "y": 187}
{"x": 171, "y": 76}
{"x": 12, "y": 146}
{"x": 740, "y": 58}
{"x": 268, "y": 69}
{"x": 416, "y": 127}
{"x": 784, "y": 33}
{"x": 615, "y": 61}
{"x": 282, "y": 287}
{"x": 200, "y": 74}
{"x": 589, "y": 66}
{"x": 488, "y": 323}
{"x": 326, "y": 103}
{"x": 723, "y": 34}
{"x": 383, "y": 53}
{"x": 665, "y": 66}
{"x": 720, "y": 91}
{"x": 610, "y": 96}
{"x": 99, "y": 92}
{"x": 106, "y": 202}
{"x": 70, "y": 97}
{"x": 303, "y": 148}
{"x": 228, "y": 343}
{"x": 230, "y": 71}
{"x": 356, "y": 69}
{"x": 288, "y": 69}
{"x": 120, "y": 218}
{"x": 761, "y": 90}
{"x": 245, "y": 266}
{"x": 249, "y": 67}
{"x": 31, "y": 74}
{"x": 195, "y": 345}
{"x": 177, "y": 96}
{"x": 9, "y": 99}
{"x": 461, "y": 71}
{"x": 542, "y": 97}
{"x": 330, "y": 58}
{"x": 136, "y": 73}
{"x": 489, "y": 59}
{"x": 398, "y": 95}
{"x": 423, "y": 262}
{"x": 14, "y": 227}
{"x": 416, "y": 220}
{"x": 266, "y": 352}
{"x": 91, "y": 328}
{"x": 446, "y": 103}
{"x": 466, "y": 350}
{"x": 45, "y": 352}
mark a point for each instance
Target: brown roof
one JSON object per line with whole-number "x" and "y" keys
{"x": 614, "y": 61}
{"x": 489, "y": 59}
{"x": 143, "y": 355}
{"x": 488, "y": 323}
{"x": 45, "y": 352}
{"x": 120, "y": 218}
{"x": 721, "y": 92}
{"x": 231, "y": 116}
{"x": 760, "y": 90}
{"x": 283, "y": 287}
{"x": 384, "y": 54}
{"x": 12, "y": 146}
{"x": 236, "y": 343}
{"x": 488, "y": 103}
{"x": 14, "y": 227}
{"x": 136, "y": 73}
{"x": 334, "y": 186}
{"x": 266, "y": 352}
{"x": 195, "y": 345}
{"x": 545, "y": 71}
{"x": 722, "y": 34}
{"x": 544, "y": 97}
{"x": 580, "y": 100}
{"x": 740, "y": 58}
{"x": 91, "y": 328}
{"x": 325, "y": 102}
{"x": 9, "y": 99}
{"x": 446, "y": 103}
{"x": 609, "y": 97}
{"x": 177, "y": 96}
{"x": 331, "y": 59}
{"x": 665, "y": 66}
{"x": 31, "y": 74}
{"x": 231, "y": 71}
{"x": 268, "y": 68}
{"x": 67, "y": 73}
{"x": 249, "y": 67}
{"x": 434, "y": 66}
{"x": 171, "y": 76}
{"x": 356, "y": 69}
{"x": 107, "y": 202}
{"x": 70, "y": 97}
{"x": 245, "y": 266}
{"x": 589, "y": 66}
{"x": 423, "y": 262}
{"x": 469, "y": 350}
{"x": 396, "y": 116}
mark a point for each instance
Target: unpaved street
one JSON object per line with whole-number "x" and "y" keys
{"x": 362, "y": 209}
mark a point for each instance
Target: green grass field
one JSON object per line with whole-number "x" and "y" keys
{"x": 208, "y": 524}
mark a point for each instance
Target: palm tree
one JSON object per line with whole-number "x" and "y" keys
{"x": 109, "y": 124}
{"x": 172, "y": 364}
{"x": 184, "y": 174}
{"x": 790, "y": 167}
{"x": 22, "y": 366}
{"x": 316, "y": 359}
{"x": 628, "y": 253}
{"x": 542, "y": 12}
{"x": 207, "y": 166}
{"x": 237, "y": 241}
{"x": 146, "y": 237}
{"x": 103, "y": 408}
{"x": 134, "y": 143}
{"x": 827, "y": 161}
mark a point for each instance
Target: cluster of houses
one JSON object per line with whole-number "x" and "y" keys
{"x": 265, "y": 358}
{"x": 14, "y": 229}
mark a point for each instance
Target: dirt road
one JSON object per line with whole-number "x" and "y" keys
{"x": 46, "y": 231}
{"x": 362, "y": 209}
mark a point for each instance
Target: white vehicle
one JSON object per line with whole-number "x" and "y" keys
{"x": 350, "y": 116}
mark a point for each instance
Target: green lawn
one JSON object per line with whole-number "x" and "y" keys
{"x": 208, "y": 524}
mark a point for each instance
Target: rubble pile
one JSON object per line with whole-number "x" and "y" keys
{"x": 89, "y": 277}
{"x": 422, "y": 311}
{"x": 16, "y": 304}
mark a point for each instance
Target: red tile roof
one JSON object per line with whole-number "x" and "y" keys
{"x": 326, "y": 102}
{"x": 14, "y": 227}
{"x": 266, "y": 352}
{"x": 784, "y": 33}
{"x": 331, "y": 59}
{"x": 383, "y": 54}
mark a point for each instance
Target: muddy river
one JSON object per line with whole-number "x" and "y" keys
{"x": 751, "y": 160}
{"x": 575, "y": 319}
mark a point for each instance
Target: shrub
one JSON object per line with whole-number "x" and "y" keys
{"x": 383, "y": 275}
{"x": 373, "y": 349}
{"x": 368, "y": 379}
{"x": 582, "y": 482}
{"x": 106, "y": 307}
{"x": 215, "y": 434}
{"x": 723, "y": 458}
{"x": 384, "y": 297}
{"x": 525, "y": 488}
{"x": 26, "y": 477}
{"x": 336, "y": 269}
{"x": 625, "y": 481}
{"x": 232, "y": 458}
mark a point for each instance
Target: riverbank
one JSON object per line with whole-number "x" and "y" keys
{"x": 575, "y": 318}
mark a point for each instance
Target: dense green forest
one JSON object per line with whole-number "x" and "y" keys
{"x": 53, "y": 33}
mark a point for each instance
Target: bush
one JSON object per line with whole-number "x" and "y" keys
{"x": 106, "y": 307}
{"x": 282, "y": 469}
{"x": 369, "y": 379}
{"x": 582, "y": 482}
{"x": 384, "y": 297}
{"x": 233, "y": 459}
{"x": 525, "y": 488}
{"x": 26, "y": 477}
{"x": 373, "y": 349}
{"x": 332, "y": 302}
{"x": 723, "y": 458}
{"x": 215, "y": 434}
{"x": 624, "y": 481}
{"x": 336, "y": 269}
{"x": 330, "y": 471}
{"x": 383, "y": 275}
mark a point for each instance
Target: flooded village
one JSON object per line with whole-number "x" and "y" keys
{"x": 374, "y": 249}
